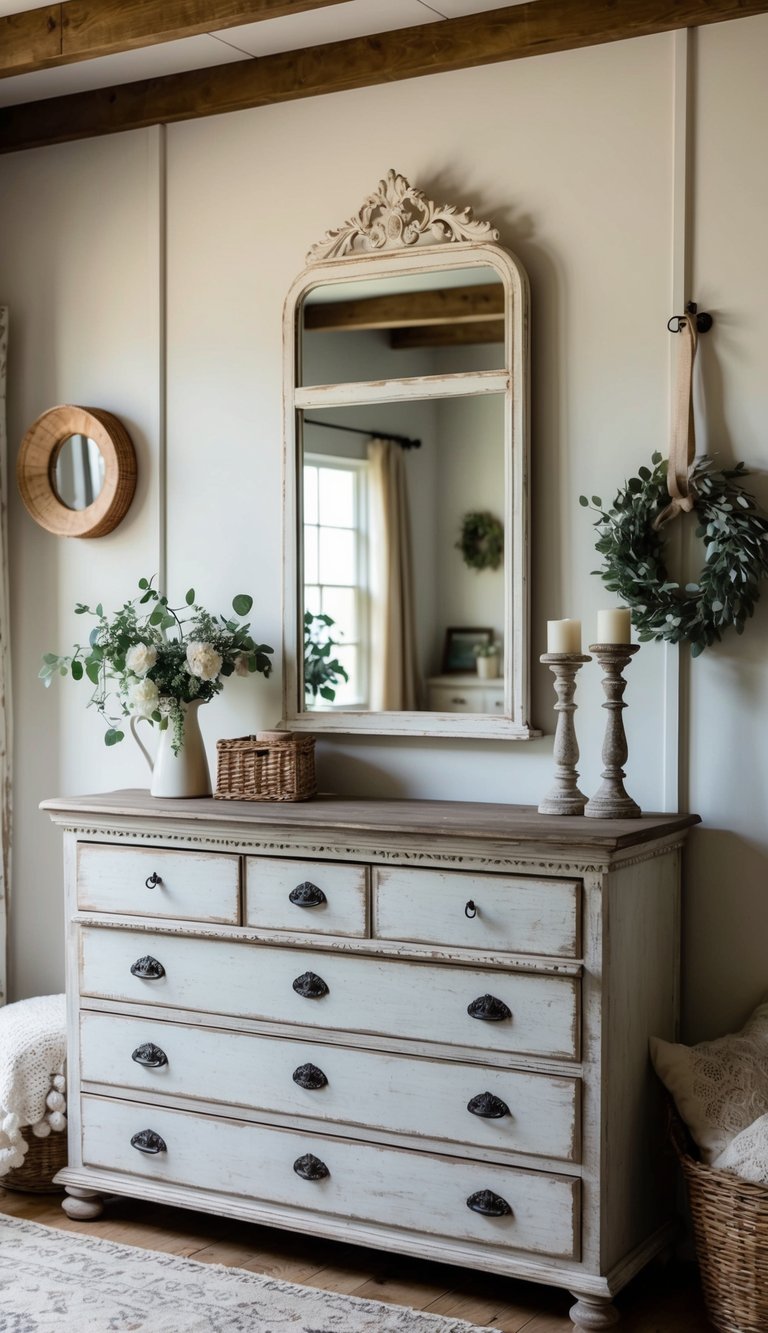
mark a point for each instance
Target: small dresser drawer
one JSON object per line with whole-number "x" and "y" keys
{"x": 150, "y": 882}
{"x": 322, "y": 897}
{"x": 536, "y": 1212}
{"x": 511, "y": 1011}
{"x": 502, "y": 913}
{"x": 455, "y": 699}
{"x": 507, "y": 1111}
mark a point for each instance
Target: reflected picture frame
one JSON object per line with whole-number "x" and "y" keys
{"x": 459, "y": 650}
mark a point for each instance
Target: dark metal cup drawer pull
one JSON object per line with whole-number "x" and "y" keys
{"x": 307, "y": 895}
{"x": 310, "y": 1167}
{"x": 489, "y": 1204}
{"x": 150, "y": 1056}
{"x": 153, "y": 880}
{"x": 487, "y": 1105}
{"x": 309, "y": 1076}
{"x": 148, "y": 1141}
{"x": 310, "y": 985}
{"x": 470, "y": 909}
{"x": 148, "y": 968}
{"x": 489, "y": 1009}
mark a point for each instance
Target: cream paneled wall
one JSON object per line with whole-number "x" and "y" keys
{"x": 571, "y": 155}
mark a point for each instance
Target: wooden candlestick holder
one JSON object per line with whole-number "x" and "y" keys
{"x": 564, "y": 797}
{"x": 611, "y": 800}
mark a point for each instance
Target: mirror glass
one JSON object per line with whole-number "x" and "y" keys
{"x": 384, "y": 490}
{"x": 78, "y": 472}
{"x": 403, "y": 325}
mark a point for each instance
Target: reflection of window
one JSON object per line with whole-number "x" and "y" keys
{"x": 335, "y": 564}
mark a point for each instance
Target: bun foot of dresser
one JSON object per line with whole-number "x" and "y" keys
{"x": 591, "y": 1312}
{"x": 83, "y": 1205}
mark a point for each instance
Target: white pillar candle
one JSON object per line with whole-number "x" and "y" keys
{"x": 564, "y": 636}
{"x": 614, "y": 626}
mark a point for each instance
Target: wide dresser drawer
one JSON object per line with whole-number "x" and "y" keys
{"x": 537, "y": 1212}
{"x": 511, "y": 1111}
{"x": 151, "y": 882}
{"x": 413, "y": 1001}
{"x": 324, "y": 897}
{"x": 504, "y": 913}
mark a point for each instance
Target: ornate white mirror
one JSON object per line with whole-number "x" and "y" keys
{"x": 406, "y": 443}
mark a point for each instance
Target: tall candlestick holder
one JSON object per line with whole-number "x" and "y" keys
{"x": 565, "y": 797}
{"x": 612, "y": 801}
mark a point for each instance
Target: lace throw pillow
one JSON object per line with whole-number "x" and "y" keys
{"x": 720, "y": 1087}
{"x": 747, "y": 1154}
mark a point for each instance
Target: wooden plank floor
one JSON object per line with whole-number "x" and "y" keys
{"x": 662, "y": 1300}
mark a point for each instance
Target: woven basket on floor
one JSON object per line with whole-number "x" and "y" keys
{"x": 730, "y": 1224}
{"x": 44, "y": 1157}
{"x": 266, "y": 767}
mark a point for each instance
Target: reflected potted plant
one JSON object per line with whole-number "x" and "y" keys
{"x": 487, "y": 659}
{"x": 322, "y": 671}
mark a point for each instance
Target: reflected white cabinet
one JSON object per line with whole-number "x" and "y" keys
{"x": 465, "y": 693}
{"x": 421, "y": 1026}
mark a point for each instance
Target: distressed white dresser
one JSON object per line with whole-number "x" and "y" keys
{"x": 415, "y": 1025}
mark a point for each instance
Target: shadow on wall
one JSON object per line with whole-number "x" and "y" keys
{"x": 725, "y": 926}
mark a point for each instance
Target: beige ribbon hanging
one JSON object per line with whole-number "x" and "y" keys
{"x": 682, "y": 446}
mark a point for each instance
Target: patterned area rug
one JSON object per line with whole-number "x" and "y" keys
{"x": 54, "y": 1281}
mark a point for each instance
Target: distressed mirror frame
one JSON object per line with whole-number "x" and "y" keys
{"x": 36, "y": 468}
{"x": 399, "y": 231}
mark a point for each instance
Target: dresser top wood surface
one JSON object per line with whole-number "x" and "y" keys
{"x": 510, "y": 824}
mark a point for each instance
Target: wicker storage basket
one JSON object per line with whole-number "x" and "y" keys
{"x": 270, "y": 766}
{"x": 43, "y": 1159}
{"x": 730, "y": 1224}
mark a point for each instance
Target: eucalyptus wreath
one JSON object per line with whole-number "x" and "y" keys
{"x": 482, "y": 540}
{"x": 735, "y": 535}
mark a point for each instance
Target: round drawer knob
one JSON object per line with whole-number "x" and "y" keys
{"x": 153, "y": 880}
{"x": 489, "y": 1204}
{"x": 310, "y": 985}
{"x": 310, "y": 1077}
{"x": 310, "y": 1167}
{"x": 149, "y": 1142}
{"x": 307, "y": 895}
{"x": 488, "y": 1106}
{"x": 150, "y": 1056}
{"x": 488, "y": 1009}
{"x": 148, "y": 968}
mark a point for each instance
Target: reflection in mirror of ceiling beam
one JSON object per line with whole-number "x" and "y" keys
{"x": 450, "y": 305}
{"x": 448, "y": 335}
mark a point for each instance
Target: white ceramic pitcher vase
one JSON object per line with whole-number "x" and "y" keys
{"x": 182, "y": 774}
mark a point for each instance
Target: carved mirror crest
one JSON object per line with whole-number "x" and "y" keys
{"x": 406, "y": 440}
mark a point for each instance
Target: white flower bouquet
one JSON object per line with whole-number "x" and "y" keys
{"x": 152, "y": 663}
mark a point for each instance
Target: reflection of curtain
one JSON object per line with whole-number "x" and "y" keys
{"x": 5, "y": 668}
{"x": 393, "y": 635}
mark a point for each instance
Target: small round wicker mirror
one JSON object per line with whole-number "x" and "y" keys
{"x": 76, "y": 471}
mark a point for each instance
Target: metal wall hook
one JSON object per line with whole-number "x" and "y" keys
{"x": 704, "y": 321}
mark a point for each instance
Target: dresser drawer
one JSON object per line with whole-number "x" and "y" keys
{"x": 396, "y": 1187}
{"x": 411, "y": 1001}
{"x": 368, "y": 1089}
{"x": 503, "y": 913}
{"x": 146, "y": 881}
{"x": 317, "y": 896}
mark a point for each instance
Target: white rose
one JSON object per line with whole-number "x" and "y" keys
{"x": 241, "y": 665}
{"x": 203, "y": 661}
{"x": 143, "y": 697}
{"x": 141, "y": 658}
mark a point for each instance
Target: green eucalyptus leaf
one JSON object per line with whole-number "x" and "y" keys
{"x": 190, "y": 597}
{"x": 242, "y": 604}
{"x": 113, "y": 736}
{"x": 77, "y": 670}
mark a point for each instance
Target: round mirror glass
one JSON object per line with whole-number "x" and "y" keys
{"x": 78, "y": 472}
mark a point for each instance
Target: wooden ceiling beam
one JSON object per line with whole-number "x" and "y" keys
{"x": 445, "y": 305}
{"x": 535, "y": 28}
{"x": 77, "y": 30}
{"x": 448, "y": 335}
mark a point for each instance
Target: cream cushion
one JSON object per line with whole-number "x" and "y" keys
{"x": 720, "y": 1087}
{"x": 747, "y": 1154}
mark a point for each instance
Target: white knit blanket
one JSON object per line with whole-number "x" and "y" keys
{"x": 33, "y": 1048}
